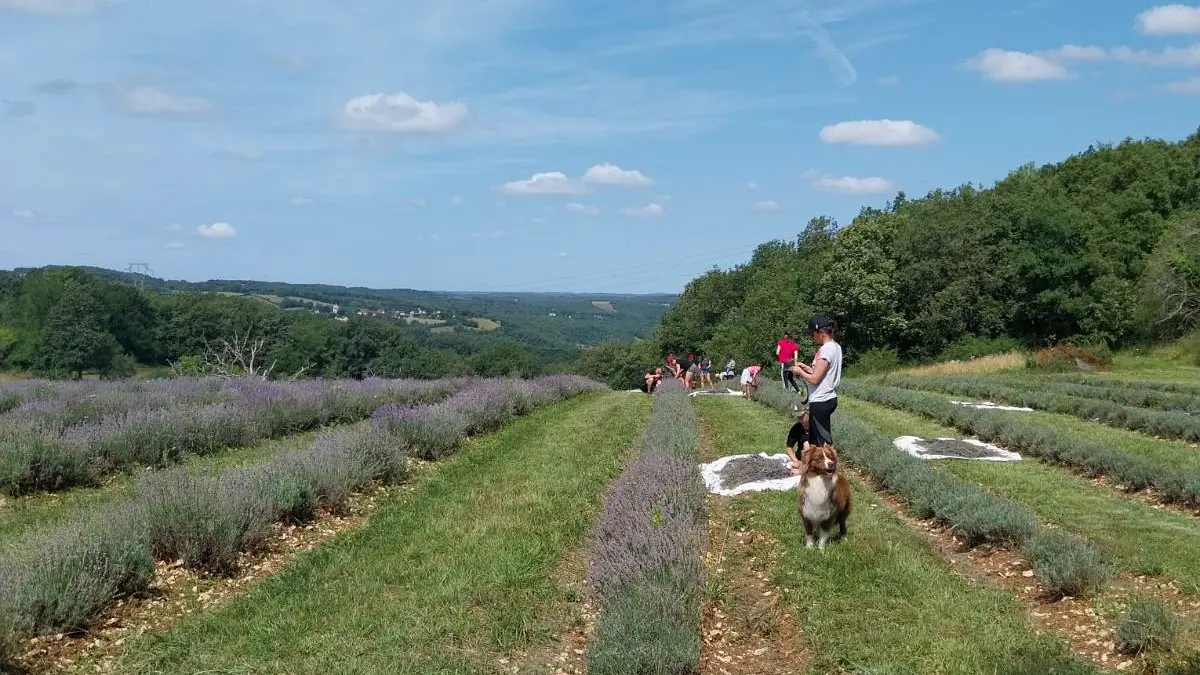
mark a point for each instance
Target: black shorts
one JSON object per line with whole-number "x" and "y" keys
{"x": 819, "y": 422}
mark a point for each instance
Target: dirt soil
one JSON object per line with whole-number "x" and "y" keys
{"x": 746, "y": 630}
{"x": 577, "y": 613}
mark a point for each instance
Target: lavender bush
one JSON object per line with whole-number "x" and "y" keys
{"x": 39, "y": 452}
{"x": 60, "y": 579}
{"x": 645, "y": 563}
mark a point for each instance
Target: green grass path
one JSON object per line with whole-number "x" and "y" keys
{"x": 438, "y": 581}
{"x": 21, "y": 515}
{"x": 1141, "y": 539}
{"x": 881, "y": 601}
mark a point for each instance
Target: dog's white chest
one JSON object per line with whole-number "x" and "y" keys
{"x": 818, "y": 499}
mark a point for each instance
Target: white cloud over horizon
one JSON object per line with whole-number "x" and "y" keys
{"x": 401, "y": 113}
{"x": 1190, "y": 87}
{"x": 1175, "y": 19}
{"x": 546, "y": 183}
{"x": 767, "y": 206}
{"x": 884, "y": 132}
{"x": 848, "y": 185}
{"x": 1001, "y": 65}
{"x": 610, "y": 174}
{"x": 53, "y": 7}
{"x": 217, "y": 231}
{"x": 651, "y": 210}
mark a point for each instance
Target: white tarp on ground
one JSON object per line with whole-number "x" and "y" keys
{"x": 715, "y": 392}
{"x": 912, "y": 446}
{"x": 988, "y": 405}
{"x": 712, "y": 477}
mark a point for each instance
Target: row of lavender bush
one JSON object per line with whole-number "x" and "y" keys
{"x": 1161, "y": 423}
{"x": 1133, "y": 471}
{"x": 41, "y": 454}
{"x": 1065, "y": 564}
{"x": 645, "y": 563}
{"x": 64, "y": 404}
{"x": 59, "y": 580}
{"x": 1188, "y": 388}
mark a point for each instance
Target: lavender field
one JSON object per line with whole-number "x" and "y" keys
{"x": 56, "y": 436}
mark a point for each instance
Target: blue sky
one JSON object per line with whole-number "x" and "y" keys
{"x": 613, "y": 146}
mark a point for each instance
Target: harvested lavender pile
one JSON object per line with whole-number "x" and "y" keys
{"x": 941, "y": 446}
{"x": 751, "y": 469}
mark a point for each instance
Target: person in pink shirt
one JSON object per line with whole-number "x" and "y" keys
{"x": 750, "y": 379}
{"x": 785, "y": 352}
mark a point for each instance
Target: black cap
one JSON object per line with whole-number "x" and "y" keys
{"x": 818, "y": 322}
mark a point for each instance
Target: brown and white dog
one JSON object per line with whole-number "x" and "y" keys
{"x": 824, "y": 498}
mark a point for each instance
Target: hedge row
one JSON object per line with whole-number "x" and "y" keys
{"x": 63, "y": 404}
{"x": 1134, "y": 472}
{"x": 1131, "y": 396}
{"x": 58, "y": 580}
{"x": 646, "y": 558}
{"x": 1164, "y": 424}
{"x": 1063, "y": 563}
{"x": 41, "y": 454}
{"x": 1113, "y": 382}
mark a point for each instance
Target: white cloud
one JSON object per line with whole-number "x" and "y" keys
{"x": 493, "y": 234}
{"x": 1001, "y": 65}
{"x": 1169, "y": 20}
{"x": 217, "y": 231}
{"x": 175, "y": 227}
{"x": 456, "y": 201}
{"x": 848, "y": 185}
{"x": 651, "y": 210}
{"x": 1169, "y": 57}
{"x": 174, "y": 244}
{"x": 1184, "y": 88}
{"x": 549, "y": 183}
{"x": 879, "y": 132}
{"x": 767, "y": 206}
{"x": 416, "y": 202}
{"x": 611, "y": 174}
{"x": 564, "y": 254}
{"x": 150, "y": 100}
{"x": 501, "y": 204}
{"x": 582, "y": 209}
{"x": 888, "y": 81}
{"x": 52, "y": 7}
{"x": 18, "y": 109}
{"x": 27, "y": 215}
{"x": 303, "y": 201}
{"x": 751, "y": 186}
{"x": 401, "y": 113}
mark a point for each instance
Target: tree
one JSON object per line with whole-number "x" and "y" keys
{"x": 74, "y": 339}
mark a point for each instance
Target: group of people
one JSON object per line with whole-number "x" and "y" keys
{"x": 686, "y": 369}
{"x": 815, "y": 383}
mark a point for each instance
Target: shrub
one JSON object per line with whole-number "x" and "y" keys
{"x": 974, "y": 348}
{"x": 1066, "y": 565}
{"x": 205, "y": 521}
{"x": 1147, "y": 624}
{"x": 57, "y": 580}
{"x": 1067, "y": 357}
{"x": 645, "y": 560}
{"x": 877, "y": 360}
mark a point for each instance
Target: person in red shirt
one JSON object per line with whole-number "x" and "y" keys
{"x": 785, "y": 352}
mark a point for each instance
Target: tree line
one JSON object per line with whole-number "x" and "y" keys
{"x": 1100, "y": 249}
{"x": 68, "y": 322}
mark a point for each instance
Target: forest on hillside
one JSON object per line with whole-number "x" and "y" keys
{"x": 1100, "y": 249}
{"x": 68, "y": 322}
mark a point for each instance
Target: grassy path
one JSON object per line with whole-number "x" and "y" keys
{"x": 21, "y": 515}
{"x": 444, "y": 580}
{"x": 883, "y": 600}
{"x": 1140, "y": 538}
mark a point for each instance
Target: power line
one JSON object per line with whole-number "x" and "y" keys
{"x": 139, "y": 271}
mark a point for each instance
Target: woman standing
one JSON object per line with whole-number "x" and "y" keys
{"x": 824, "y": 375}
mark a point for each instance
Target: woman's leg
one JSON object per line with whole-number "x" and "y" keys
{"x": 820, "y": 422}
